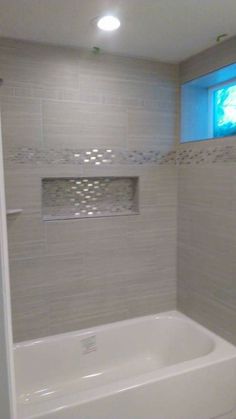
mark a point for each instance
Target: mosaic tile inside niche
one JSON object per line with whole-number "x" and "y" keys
{"x": 95, "y": 157}
{"x": 65, "y": 198}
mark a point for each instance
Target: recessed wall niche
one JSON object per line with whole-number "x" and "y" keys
{"x": 87, "y": 197}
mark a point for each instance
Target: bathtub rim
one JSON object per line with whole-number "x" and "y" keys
{"x": 222, "y": 351}
{"x": 170, "y": 314}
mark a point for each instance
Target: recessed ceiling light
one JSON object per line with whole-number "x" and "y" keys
{"x": 108, "y": 23}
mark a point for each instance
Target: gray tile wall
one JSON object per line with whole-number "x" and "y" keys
{"x": 209, "y": 60}
{"x": 207, "y": 217}
{"x": 207, "y": 244}
{"x": 56, "y": 102}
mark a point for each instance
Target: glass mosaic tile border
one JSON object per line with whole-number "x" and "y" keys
{"x": 206, "y": 154}
{"x": 188, "y": 154}
{"x": 93, "y": 156}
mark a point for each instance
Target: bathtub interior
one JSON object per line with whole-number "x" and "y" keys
{"x": 84, "y": 360}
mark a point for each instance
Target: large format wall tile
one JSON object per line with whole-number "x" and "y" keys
{"x": 69, "y": 261}
{"x": 21, "y": 121}
{"x": 207, "y": 246}
{"x": 68, "y": 124}
{"x": 58, "y": 106}
{"x": 207, "y": 215}
{"x": 151, "y": 129}
{"x": 38, "y": 64}
{"x": 209, "y": 60}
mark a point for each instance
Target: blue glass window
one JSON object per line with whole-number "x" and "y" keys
{"x": 224, "y": 103}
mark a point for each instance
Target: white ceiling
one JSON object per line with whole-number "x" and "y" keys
{"x": 167, "y": 30}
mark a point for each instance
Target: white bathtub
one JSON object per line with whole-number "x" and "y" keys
{"x": 163, "y": 366}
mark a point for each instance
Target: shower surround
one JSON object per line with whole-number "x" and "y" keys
{"x": 59, "y": 105}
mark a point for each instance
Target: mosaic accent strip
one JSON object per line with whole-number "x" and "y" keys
{"x": 191, "y": 154}
{"x": 95, "y": 157}
{"x": 206, "y": 155}
{"x": 65, "y": 198}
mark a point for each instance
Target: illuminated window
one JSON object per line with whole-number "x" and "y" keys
{"x": 224, "y": 110}
{"x": 208, "y": 106}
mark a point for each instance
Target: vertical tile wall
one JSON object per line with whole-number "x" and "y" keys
{"x": 57, "y": 103}
{"x": 207, "y": 216}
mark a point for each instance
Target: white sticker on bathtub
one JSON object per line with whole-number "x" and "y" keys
{"x": 89, "y": 345}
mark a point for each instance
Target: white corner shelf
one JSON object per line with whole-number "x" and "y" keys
{"x": 14, "y": 211}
